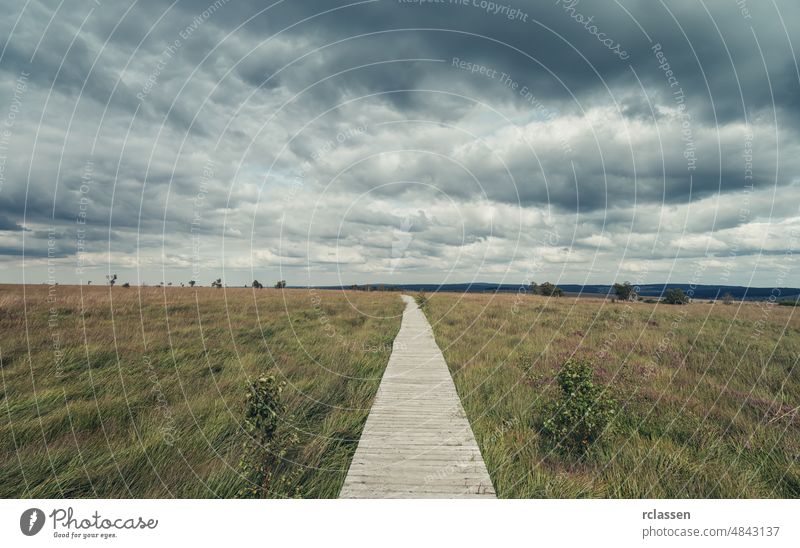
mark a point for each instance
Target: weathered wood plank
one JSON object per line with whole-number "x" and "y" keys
{"x": 417, "y": 442}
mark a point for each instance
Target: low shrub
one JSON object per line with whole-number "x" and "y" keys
{"x": 266, "y": 445}
{"x": 584, "y": 411}
{"x": 421, "y": 299}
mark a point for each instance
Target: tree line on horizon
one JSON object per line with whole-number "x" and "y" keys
{"x": 624, "y": 291}
{"x": 111, "y": 280}
{"x": 621, "y": 291}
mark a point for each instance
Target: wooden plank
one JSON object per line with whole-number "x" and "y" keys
{"x": 417, "y": 442}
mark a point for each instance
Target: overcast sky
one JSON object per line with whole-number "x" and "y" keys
{"x": 328, "y": 142}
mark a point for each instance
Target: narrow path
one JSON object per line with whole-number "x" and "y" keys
{"x": 417, "y": 442}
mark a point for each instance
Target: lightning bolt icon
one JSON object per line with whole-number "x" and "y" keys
{"x": 33, "y": 520}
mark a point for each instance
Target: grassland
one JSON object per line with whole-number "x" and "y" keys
{"x": 139, "y": 392}
{"x": 707, "y": 394}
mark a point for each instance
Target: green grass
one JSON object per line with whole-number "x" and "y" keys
{"x": 708, "y": 394}
{"x": 147, "y": 398}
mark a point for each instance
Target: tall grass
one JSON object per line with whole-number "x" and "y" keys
{"x": 708, "y": 394}
{"x": 140, "y": 392}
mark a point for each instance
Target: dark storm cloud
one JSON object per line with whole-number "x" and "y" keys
{"x": 711, "y": 47}
{"x": 422, "y": 126}
{"x": 8, "y": 224}
{"x": 715, "y": 59}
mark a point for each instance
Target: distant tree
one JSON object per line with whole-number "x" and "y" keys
{"x": 280, "y": 284}
{"x": 217, "y": 283}
{"x": 550, "y": 290}
{"x": 675, "y": 296}
{"x": 126, "y": 284}
{"x": 89, "y": 283}
{"x": 257, "y": 284}
{"x": 727, "y": 298}
{"x": 534, "y": 287}
{"x": 191, "y": 283}
{"x": 182, "y": 284}
{"x": 624, "y": 291}
{"x": 112, "y": 279}
{"x": 170, "y": 283}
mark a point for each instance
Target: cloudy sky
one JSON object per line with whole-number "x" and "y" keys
{"x": 332, "y": 141}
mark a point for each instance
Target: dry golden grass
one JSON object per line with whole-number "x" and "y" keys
{"x": 709, "y": 393}
{"x": 139, "y": 392}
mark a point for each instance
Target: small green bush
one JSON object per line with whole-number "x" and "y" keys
{"x": 675, "y": 296}
{"x": 265, "y": 446}
{"x": 550, "y": 290}
{"x": 422, "y": 300}
{"x": 583, "y": 412}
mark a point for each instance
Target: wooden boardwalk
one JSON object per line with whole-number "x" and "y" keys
{"x": 417, "y": 442}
